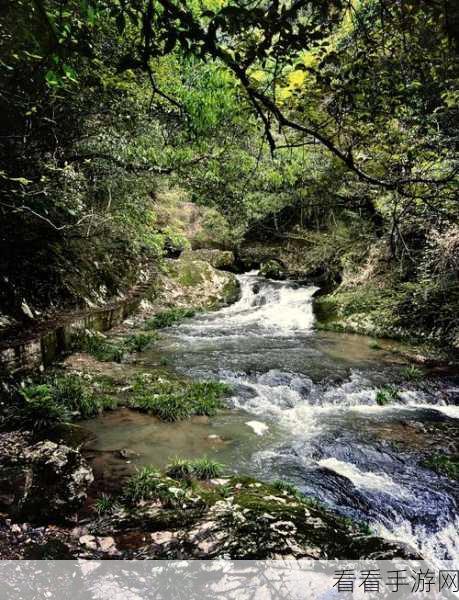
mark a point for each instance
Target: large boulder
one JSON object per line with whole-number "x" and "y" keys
{"x": 43, "y": 480}
{"x": 219, "y": 259}
{"x": 197, "y": 284}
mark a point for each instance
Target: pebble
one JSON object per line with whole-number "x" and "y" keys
{"x": 89, "y": 541}
{"x": 105, "y": 543}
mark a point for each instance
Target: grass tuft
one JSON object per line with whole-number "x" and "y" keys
{"x": 412, "y": 373}
{"x": 387, "y": 395}
{"x": 100, "y": 347}
{"x": 39, "y": 410}
{"x": 206, "y": 468}
{"x": 199, "y": 468}
{"x": 169, "y": 317}
{"x": 105, "y": 505}
{"x": 176, "y": 401}
{"x": 138, "y": 342}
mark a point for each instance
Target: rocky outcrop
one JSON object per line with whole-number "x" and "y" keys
{"x": 42, "y": 480}
{"x": 251, "y": 520}
{"x": 219, "y": 259}
{"x": 196, "y": 283}
{"x": 233, "y": 518}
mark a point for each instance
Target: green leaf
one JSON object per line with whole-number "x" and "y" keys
{"x": 70, "y": 73}
{"x": 52, "y": 78}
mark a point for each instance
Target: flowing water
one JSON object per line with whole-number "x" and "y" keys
{"x": 304, "y": 410}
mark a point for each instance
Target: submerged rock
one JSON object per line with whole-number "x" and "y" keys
{"x": 41, "y": 481}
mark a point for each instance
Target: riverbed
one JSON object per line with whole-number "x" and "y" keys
{"x": 304, "y": 409}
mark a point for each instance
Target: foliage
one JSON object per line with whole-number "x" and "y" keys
{"x": 206, "y": 468}
{"x": 331, "y": 127}
{"x": 143, "y": 485}
{"x": 149, "y": 484}
{"x": 40, "y": 411}
{"x": 105, "y": 504}
{"x": 100, "y": 347}
{"x": 444, "y": 465}
{"x": 412, "y": 373}
{"x": 387, "y": 395}
{"x": 180, "y": 468}
{"x": 175, "y": 401}
{"x": 169, "y": 317}
{"x": 138, "y": 342}
{"x": 72, "y": 392}
{"x": 199, "y": 468}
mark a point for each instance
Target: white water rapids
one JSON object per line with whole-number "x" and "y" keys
{"x": 319, "y": 390}
{"x": 304, "y": 410}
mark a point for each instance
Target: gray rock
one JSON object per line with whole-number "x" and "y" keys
{"x": 41, "y": 481}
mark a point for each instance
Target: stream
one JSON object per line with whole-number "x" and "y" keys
{"x": 303, "y": 409}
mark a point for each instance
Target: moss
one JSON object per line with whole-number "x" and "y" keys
{"x": 272, "y": 269}
{"x": 231, "y": 291}
{"x": 193, "y": 272}
{"x": 444, "y": 465}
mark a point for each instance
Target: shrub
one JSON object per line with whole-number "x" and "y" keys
{"x": 386, "y": 395}
{"x": 40, "y": 411}
{"x": 169, "y": 317}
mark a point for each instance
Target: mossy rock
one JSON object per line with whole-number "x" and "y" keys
{"x": 196, "y": 283}
{"x": 272, "y": 269}
{"x": 245, "y": 519}
{"x": 219, "y": 259}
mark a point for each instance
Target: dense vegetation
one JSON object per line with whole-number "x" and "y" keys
{"x": 328, "y": 127}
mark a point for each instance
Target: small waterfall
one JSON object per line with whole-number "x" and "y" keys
{"x": 282, "y": 308}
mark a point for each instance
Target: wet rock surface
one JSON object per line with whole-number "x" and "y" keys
{"x": 250, "y": 521}
{"x": 42, "y": 480}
